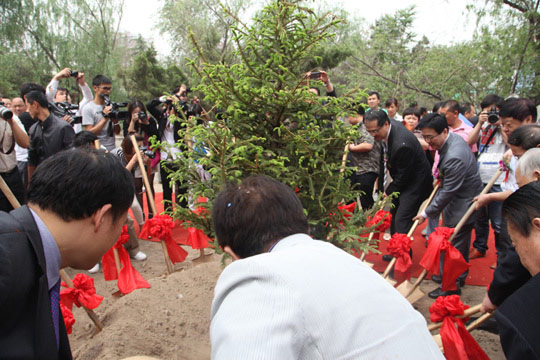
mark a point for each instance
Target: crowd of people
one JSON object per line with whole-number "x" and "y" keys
{"x": 296, "y": 304}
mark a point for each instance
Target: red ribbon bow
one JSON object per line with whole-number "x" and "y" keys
{"x": 454, "y": 263}
{"x": 399, "y": 246}
{"x": 129, "y": 278}
{"x": 381, "y": 217}
{"x": 69, "y": 320}
{"x": 82, "y": 293}
{"x": 160, "y": 227}
{"x": 458, "y": 344}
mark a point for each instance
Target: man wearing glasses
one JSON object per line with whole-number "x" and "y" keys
{"x": 94, "y": 115}
{"x": 460, "y": 183}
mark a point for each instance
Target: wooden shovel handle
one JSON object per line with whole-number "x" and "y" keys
{"x": 8, "y": 194}
{"x": 470, "y": 311}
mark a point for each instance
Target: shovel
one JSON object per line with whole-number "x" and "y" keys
{"x": 411, "y": 291}
{"x": 411, "y": 231}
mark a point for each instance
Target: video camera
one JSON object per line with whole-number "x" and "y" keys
{"x": 115, "y": 115}
{"x": 65, "y": 108}
{"x": 5, "y": 113}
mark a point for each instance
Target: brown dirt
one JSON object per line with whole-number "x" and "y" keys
{"x": 171, "y": 319}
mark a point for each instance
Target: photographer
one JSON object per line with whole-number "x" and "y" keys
{"x": 165, "y": 109}
{"x": 96, "y": 115}
{"x": 491, "y": 150}
{"x": 61, "y": 95}
{"x": 13, "y": 133}
{"x": 144, "y": 126}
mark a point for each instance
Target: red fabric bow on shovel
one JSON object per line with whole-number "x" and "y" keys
{"x": 381, "y": 217}
{"x": 454, "y": 263}
{"x": 69, "y": 320}
{"x": 82, "y": 293}
{"x": 129, "y": 278}
{"x": 458, "y": 343}
{"x": 399, "y": 246}
{"x": 160, "y": 227}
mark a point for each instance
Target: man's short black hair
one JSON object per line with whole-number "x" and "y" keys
{"x": 451, "y": 105}
{"x": 434, "y": 121}
{"x": 526, "y": 137}
{"x": 75, "y": 183}
{"x": 518, "y": 108}
{"x": 437, "y": 106}
{"x": 253, "y": 215}
{"x": 316, "y": 89}
{"x": 27, "y": 87}
{"x": 39, "y": 97}
{"x": 522, "y": 207}
{"x": 63, "y": 89}
{"x": 412, "y": 111}
{"x": 490, "y": 100}
{"x": 85, "y": 138}
{"x": 380, "y": 115}
{"x": 100, "y": 80}
{"x": 374, "y": 93}
{"x": 390, "y": 101}
{"x": 465, "y": 108}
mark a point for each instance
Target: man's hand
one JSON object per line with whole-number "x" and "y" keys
{"x": 483, "y": 117}
{"x": 420, "y": 219}
{"x": 80, "y": 79}
{"x": 64, "y": 73}
{"x": 67, "y": 118}
{"x": 107, "y": 110}
{"x": 482, "y": 200}
{"x": 487, "y": 305}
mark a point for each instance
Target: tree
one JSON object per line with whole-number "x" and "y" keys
{"x": 271, "y": 124}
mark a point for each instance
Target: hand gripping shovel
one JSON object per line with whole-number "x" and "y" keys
{"x": 411, "y": 291}
{"x": 409, "y": 234}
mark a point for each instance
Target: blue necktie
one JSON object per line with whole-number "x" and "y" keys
{"x": 54, "y": 293}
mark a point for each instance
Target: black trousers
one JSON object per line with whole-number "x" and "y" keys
{"x": 406, "y": 207}
{"x": 364, "y": 183}
{"x": 164, "y": 170}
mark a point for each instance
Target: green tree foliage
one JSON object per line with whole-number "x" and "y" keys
{"x": 271, "y": 124}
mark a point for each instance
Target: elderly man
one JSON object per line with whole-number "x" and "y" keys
{"x": 460, "y": 183}
{"x": 287, "y": 296}
{"x": 77, "y": 203}
{"x": 518, "y": 316}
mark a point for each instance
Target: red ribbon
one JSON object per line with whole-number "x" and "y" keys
{"x": 69, "y": 320}
{"x": 381, "y": 217}
{"x": 399, "y": 246}
{"x": 458, "y": 343}
{"x": 454, "y": 263}
{"x": 129, "y": 278}
{"x": 160, "y": 227}
{"x": 345, "y": 210}
{"x": 82, "y": 293}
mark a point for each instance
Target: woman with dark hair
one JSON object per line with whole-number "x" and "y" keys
{"x": 142, "y": 124}
{"x": 517, "y": 317}
{"x": 392, "y": 108}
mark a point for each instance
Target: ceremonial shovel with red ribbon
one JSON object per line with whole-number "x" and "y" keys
{"x": 399, "y": 246}
{"x": 447, "y": 313}
{"x": 443, "y": 242}
{"x": 384, "y": 219}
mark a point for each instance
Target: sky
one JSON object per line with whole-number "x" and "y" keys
{"x": 442, "y": 21}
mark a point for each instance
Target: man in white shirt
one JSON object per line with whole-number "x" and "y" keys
{"x": 287, "y": 296}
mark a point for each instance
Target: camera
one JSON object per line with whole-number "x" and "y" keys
{"x": 5, "y": 113}
{"x": 315, "y": 75}
{"x": 493, "y": 115}
{"x": 115, "y": 114}
{"x": 73, "y": 73}
{"x": 65, "y": 108}
{"x": 142, "y": 116}
{"x": 149, "y": 153}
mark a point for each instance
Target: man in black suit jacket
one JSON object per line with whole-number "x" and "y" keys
{"x": 77, "y": 204}
{"x": 408, "y": 167}
{"x": 518, "y": 316}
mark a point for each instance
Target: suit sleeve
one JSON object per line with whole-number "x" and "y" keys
{"x": 452, "y": 181}
{"x": 253, "y": 313}
{"x": 403, "y": 170}
{"x": 509, "y": 276}
{"x": 32, "y": 149}
{"x": 68, "y": 137}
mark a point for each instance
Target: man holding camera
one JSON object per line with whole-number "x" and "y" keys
{"x": 492, "y": 148}
{"x": 96, "y": 115}
{"x": 49, "y": 135}
{"x": 61, "y": 95}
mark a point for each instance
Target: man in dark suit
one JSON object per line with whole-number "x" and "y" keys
{"x": 407, "y": 164}
{"x": 518, "y": 316}
{"x": 460, "y": 183}
{"x": 77, "y": 204}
